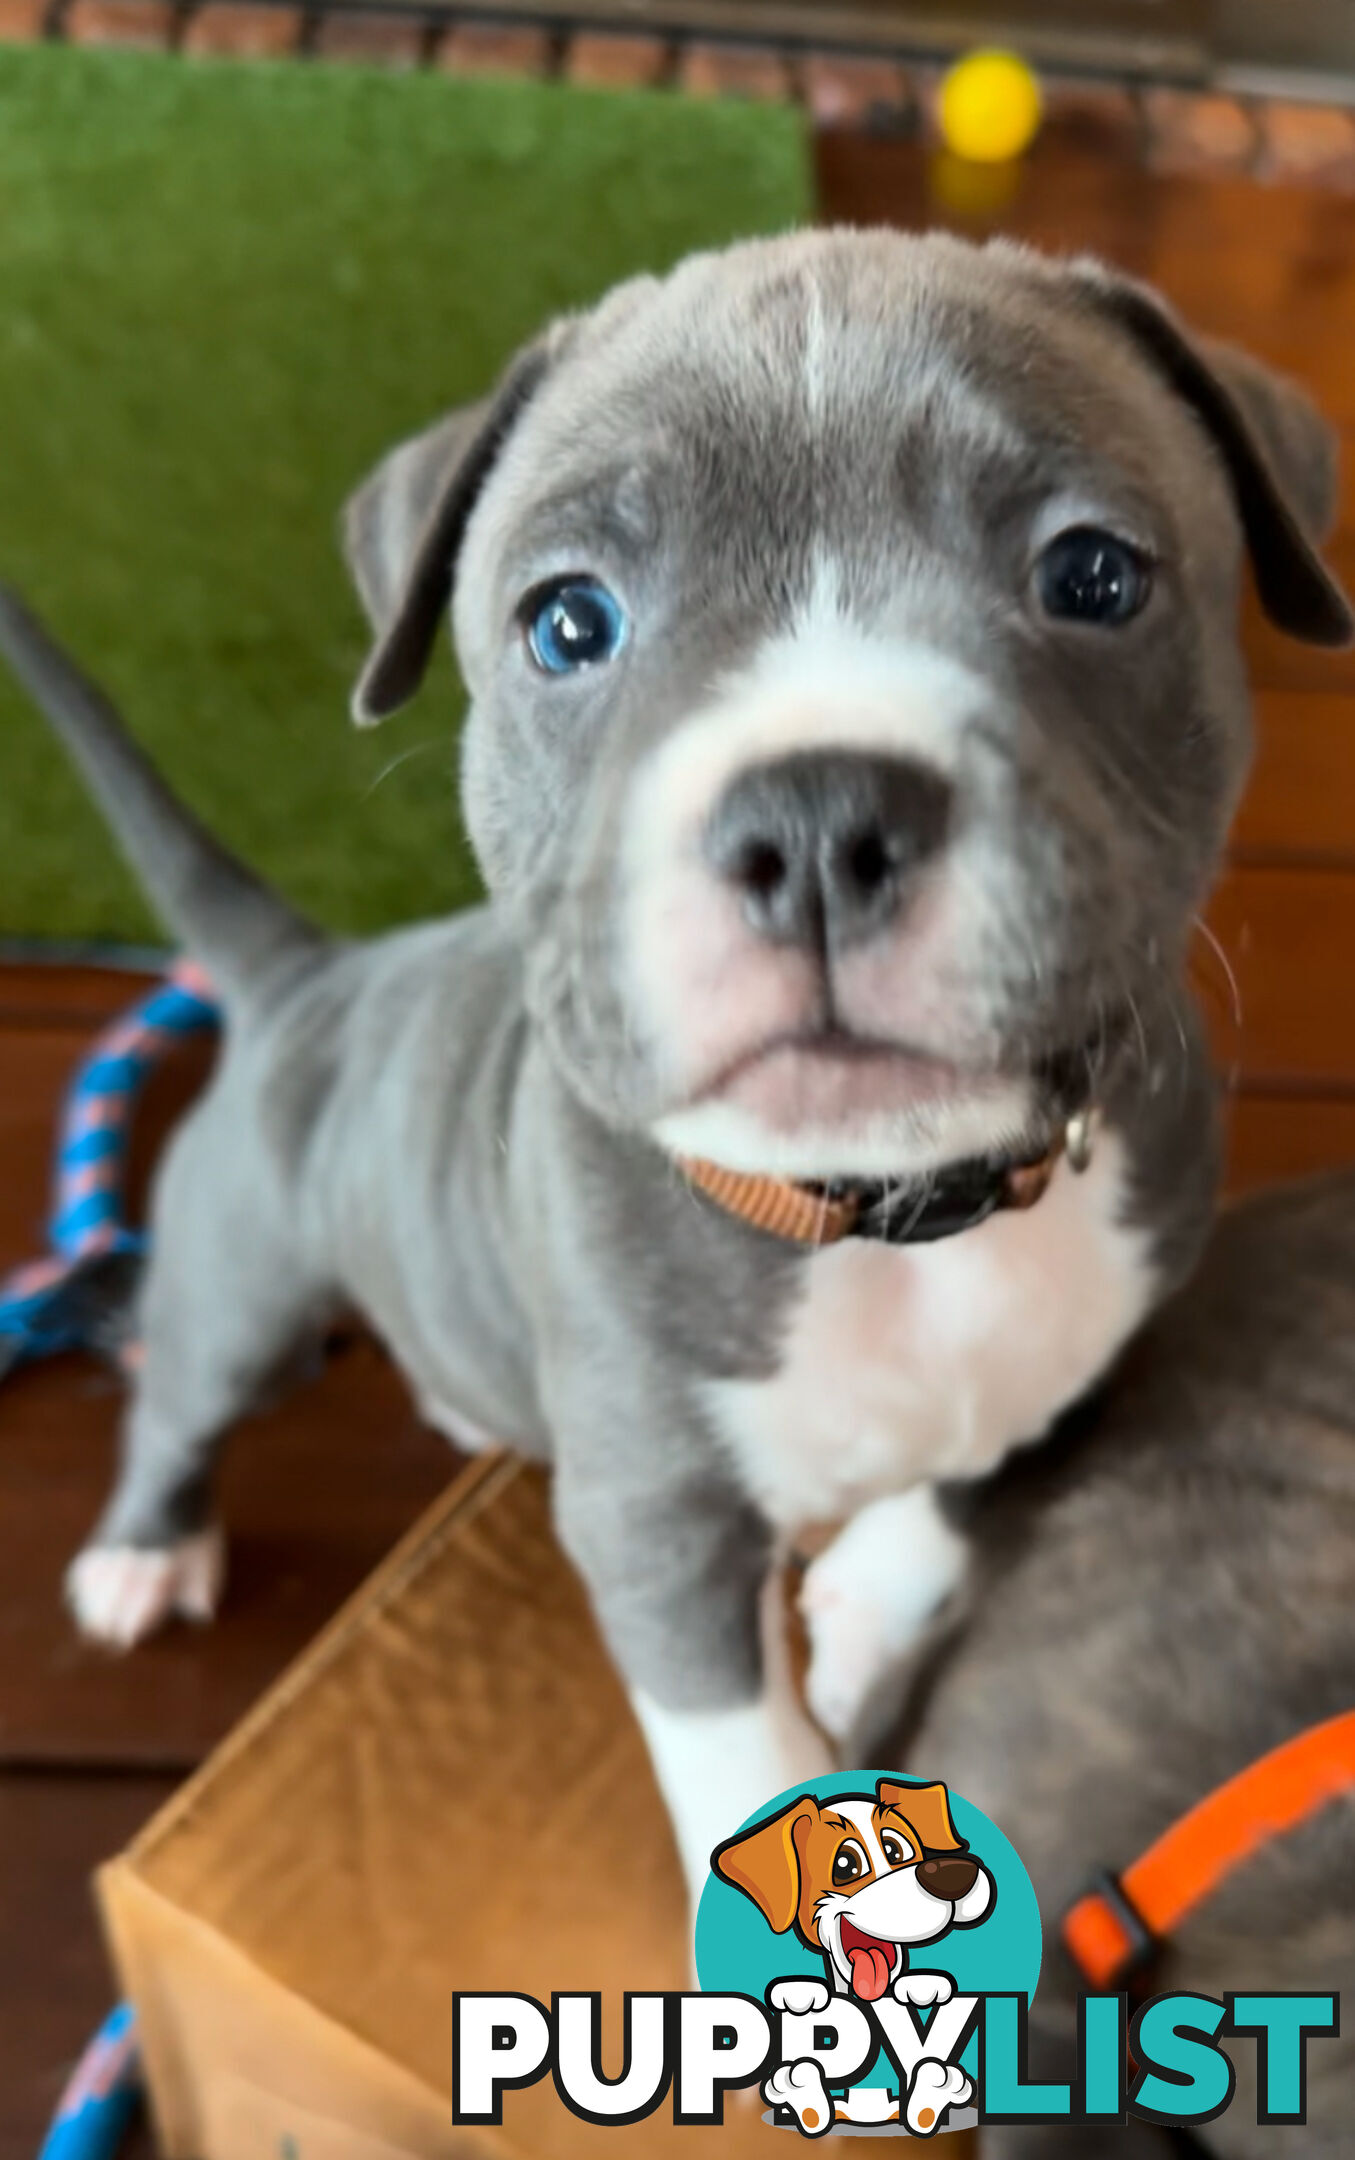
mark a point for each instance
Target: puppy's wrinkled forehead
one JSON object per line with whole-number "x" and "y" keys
{"x": 777, "y": 408}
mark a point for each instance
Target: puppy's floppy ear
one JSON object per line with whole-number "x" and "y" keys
{"x": 764, "y": 1862}
{"x": 927, "y": 1808}
{"x": 403, "y": 528}
{"x": 1279, "y": 452}
{"x": 1299, "y": 444}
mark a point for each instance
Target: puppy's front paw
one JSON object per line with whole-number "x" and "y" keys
{"x": 119, "y": 1594}
{"x": 802, "y": 1998}
{"x": 848, "y": 1651}
{"x": 869, "y": 1601}
{"x": 936, "y": 2086}
{"x": 799, "y": 2086}
{"x": 922, "y": 1988}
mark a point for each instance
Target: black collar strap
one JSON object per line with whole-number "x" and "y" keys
{"x": 889, "y": 1210}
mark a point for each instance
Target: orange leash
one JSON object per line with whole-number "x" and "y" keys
{"x": 1115, "y": 1926}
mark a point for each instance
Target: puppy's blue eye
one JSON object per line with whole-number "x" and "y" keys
{"x": 1089, "y": 576}
{"x": 574, "y": 624}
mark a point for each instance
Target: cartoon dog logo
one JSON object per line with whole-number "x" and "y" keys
{"x": 864, "y": 1879}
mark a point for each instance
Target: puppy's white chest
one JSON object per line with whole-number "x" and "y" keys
{"x": 904, "y": 1364}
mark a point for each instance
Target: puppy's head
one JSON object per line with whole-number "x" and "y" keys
{"x": 856, "y": 701}
{"x": 861, "y": 1879}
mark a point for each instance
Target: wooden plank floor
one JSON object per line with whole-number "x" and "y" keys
{"x": 319, "y": 1488}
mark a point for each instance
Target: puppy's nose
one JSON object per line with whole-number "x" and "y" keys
{"x": 821, "y": 845}
{"x": 950, "y": 1878}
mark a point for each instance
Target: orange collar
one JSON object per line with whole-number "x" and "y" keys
{"x": 956, "y": 1199}
{"x": 1116, "y": 1926}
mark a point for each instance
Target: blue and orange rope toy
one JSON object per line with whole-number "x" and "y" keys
{"x": 76, "y": 1297}
{"x": 104, "y": 2091}
{"x": 73, "y": 1297}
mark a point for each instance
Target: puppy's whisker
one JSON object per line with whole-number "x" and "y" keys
{"x": 1225, "y": 964}
{"x": 1133, "y": 1008}
{"x": 402, "y": 757}
{"x": 1140, "y": 1032}
{"x": 915, "y": 1216}
{"x": 1132, "y": 786}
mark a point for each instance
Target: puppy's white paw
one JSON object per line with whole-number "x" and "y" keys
{"x": 869, "y": 1600}
{"x": 936, "y": 2086}
{"x": 802, "y": 1998}
{"x": 922, "y": 1988}
{"x": 799, "y": 2086}
{"x": 119, "y": 1594}
{"x": 849, "y": 1651}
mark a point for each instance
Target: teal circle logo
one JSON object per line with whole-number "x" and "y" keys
{"x": 900, "y": 1899}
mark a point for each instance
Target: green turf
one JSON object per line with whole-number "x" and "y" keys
{"x": 224, "y": 290}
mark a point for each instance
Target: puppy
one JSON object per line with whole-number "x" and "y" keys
{"x": 1165, "y": 1595}
{"x": 856, "y": 715}
{"x": 863, "y": 1880}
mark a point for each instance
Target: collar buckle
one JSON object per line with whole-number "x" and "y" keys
{"x": 1108, "y": 1938}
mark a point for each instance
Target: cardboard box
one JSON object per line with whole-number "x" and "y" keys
{"x": 446, "y": 1791}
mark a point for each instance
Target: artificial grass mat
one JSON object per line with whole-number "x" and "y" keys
{"x": 225, "y": 290}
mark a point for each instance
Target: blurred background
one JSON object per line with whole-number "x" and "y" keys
{"x": 243, "y": 247}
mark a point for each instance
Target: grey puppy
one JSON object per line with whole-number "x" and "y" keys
{"x": 1165, "y": 1595}
{"x": 856, "y": 715}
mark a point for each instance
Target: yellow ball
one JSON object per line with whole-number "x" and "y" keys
{"x": 990, "y": 107}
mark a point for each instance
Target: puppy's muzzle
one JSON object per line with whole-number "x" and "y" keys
{"x": 823, "y": 846}
{"x": 951, "y": 1877}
